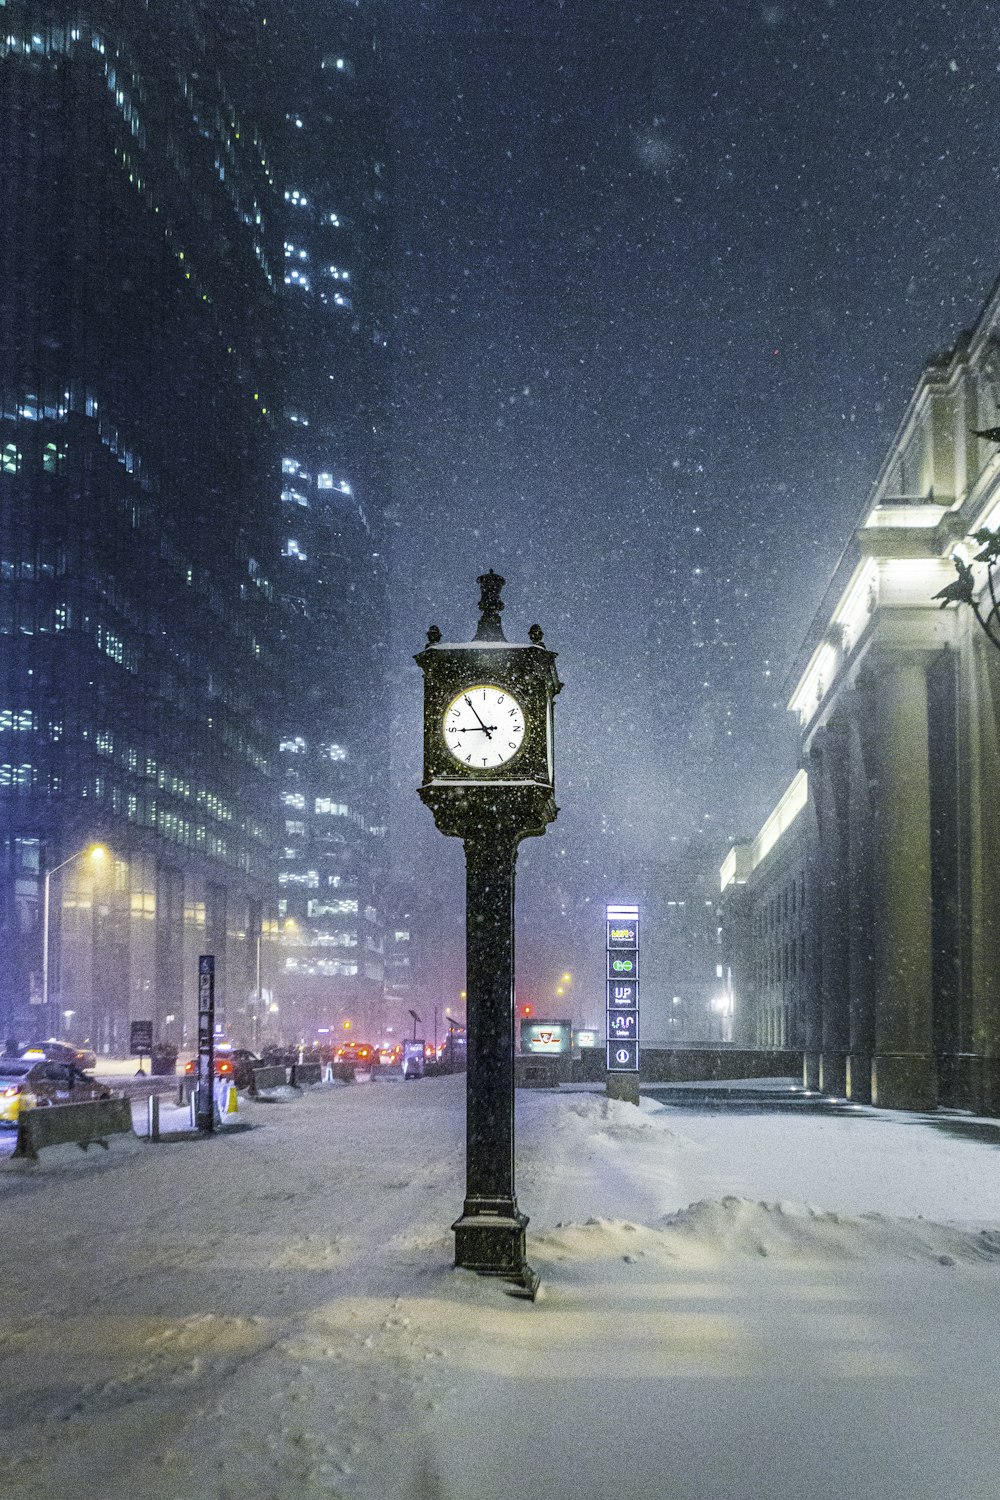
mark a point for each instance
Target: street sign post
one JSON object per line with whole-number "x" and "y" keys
{"x": 622, "y": 978}
{"x": 140, "y": 1042}
{"x": 205, "y": 1112}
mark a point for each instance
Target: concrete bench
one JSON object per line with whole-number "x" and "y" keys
{"x": 274, "y": 1077}
{"x": 306, "y": 1073}
{"x": 85, "y": 1124}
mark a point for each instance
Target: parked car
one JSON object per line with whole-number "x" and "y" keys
{"x": 224, "y": 1067}
{"x": 29, "y": 1084}
{"x": 244, "y": 1061}
{"x": 359, "y": 1053}
{"x": 57, "y": 1051}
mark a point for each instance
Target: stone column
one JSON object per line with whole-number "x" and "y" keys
{"x": 980, "y": 689}
{"x": 830, "y": 911}
{"x": 861, "y": 899}
{"x": 903, "y": 1068}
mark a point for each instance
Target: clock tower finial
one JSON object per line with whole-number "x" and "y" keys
{"x": 490, "y": 607}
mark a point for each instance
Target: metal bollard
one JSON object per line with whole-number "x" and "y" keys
{"x": 153, "y": 1117}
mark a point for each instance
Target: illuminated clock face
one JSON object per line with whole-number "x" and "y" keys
{"x": 483, "y": 727}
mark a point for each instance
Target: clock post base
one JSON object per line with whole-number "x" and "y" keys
{"x": 492, "y": 1244}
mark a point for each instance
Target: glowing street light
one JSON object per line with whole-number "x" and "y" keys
{"x": 93, "y": 851}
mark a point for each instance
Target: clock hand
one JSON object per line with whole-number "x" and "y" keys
{"x": 481, "y": 724}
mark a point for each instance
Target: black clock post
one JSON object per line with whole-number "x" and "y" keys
{"x": 489, "y": 780}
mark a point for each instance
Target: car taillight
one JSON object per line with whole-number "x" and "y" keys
{"x": 225, "y": 1067}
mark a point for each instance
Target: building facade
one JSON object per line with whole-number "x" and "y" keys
{"x": 139, "y": 520}
{"x": 898, "y": 703}
{"x": 332, "y": 164}
{"x": 767, "y": 891}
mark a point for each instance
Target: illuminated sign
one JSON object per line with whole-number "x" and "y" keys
{"x": 623, "y": 1057}
{"x": 622, "y": 972}
{"x": 623, "y": 963}
{"x": 623, "y": 1025}
{"x": 550, "y": 1037}
{"x": 623, "y": 934}
{"x": 623, "y": 992}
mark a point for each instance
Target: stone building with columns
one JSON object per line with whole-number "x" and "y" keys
{"x": 898, "y": 703}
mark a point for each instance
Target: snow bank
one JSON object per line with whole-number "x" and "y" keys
{"x": 715, "y": 1231}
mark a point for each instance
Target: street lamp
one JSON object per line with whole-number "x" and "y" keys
{"x": 93, "y": 851}
{"x": 255, "y": 1026}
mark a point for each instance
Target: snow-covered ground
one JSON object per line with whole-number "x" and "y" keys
{"x": 736, "y": 1305}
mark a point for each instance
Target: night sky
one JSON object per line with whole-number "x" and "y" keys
{"x": 667, "y": 276}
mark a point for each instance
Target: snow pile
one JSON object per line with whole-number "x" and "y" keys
{"x": 714, "y": 1232}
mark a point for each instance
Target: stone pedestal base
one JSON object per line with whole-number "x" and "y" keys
{"x": 904, "y": 1080}
{"x": 810, "y": 1070}
{"x": 859, "y": 1078}
{"x": 833, "y": 1074}
{"x": 492, "y": 1244}
{"x": 624, "y": 1086}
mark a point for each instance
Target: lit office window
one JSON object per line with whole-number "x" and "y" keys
{"x": 20, "y": 721}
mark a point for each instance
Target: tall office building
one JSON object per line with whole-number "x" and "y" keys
{"x": 140, "y": 263}
{"x": 331, "y": 163}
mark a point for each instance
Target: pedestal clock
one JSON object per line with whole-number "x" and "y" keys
{"x": 489, "y": 780}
